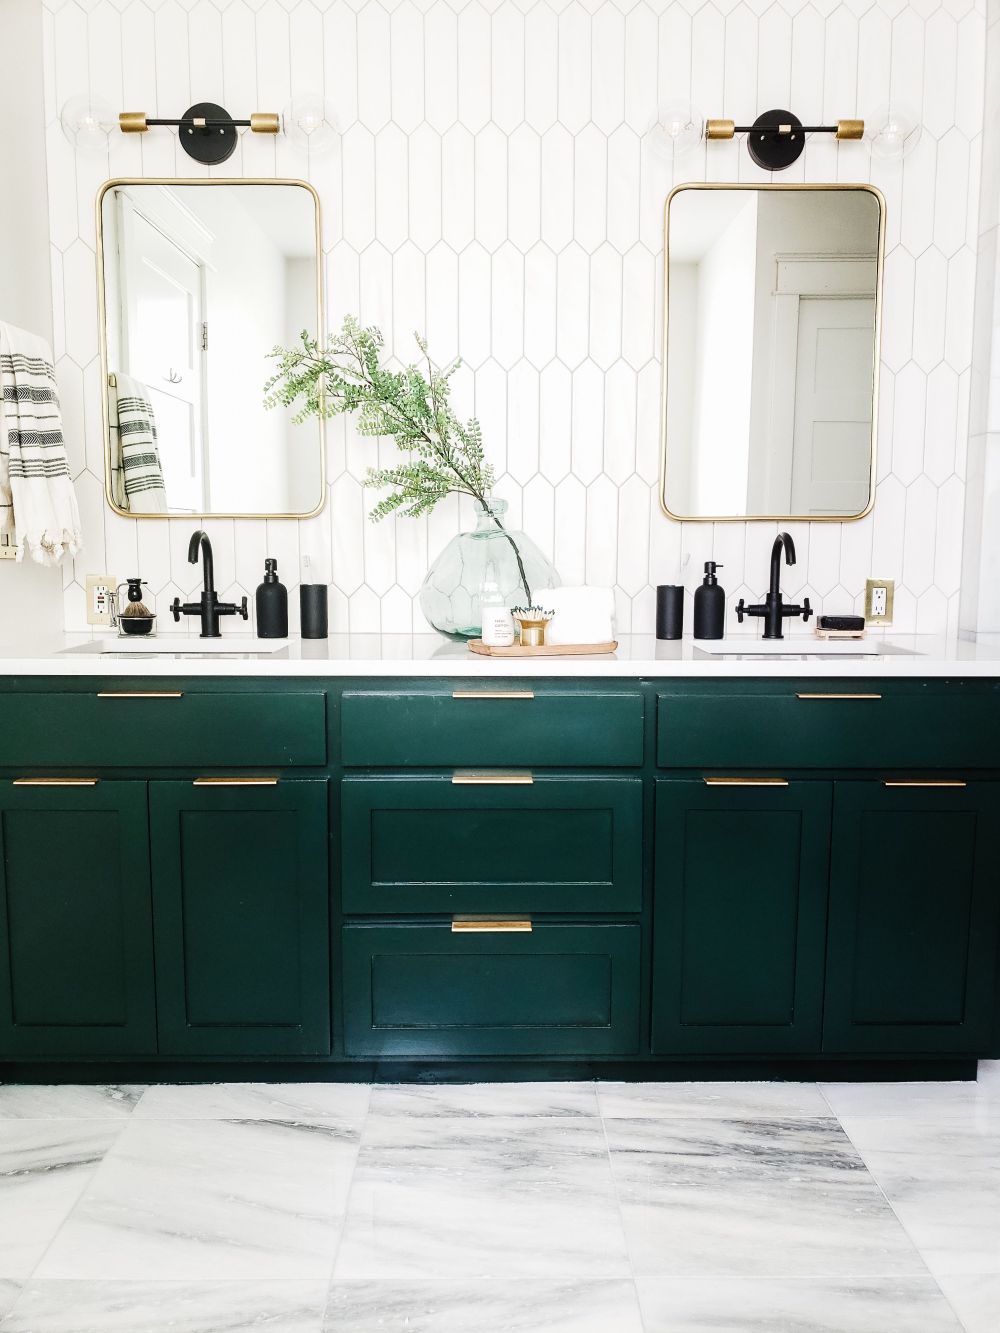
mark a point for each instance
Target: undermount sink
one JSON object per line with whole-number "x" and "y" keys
{"x": 800, "y": 646}
{"x": 179, "y": 645}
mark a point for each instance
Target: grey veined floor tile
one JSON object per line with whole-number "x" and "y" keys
{"x": 67, "y": 1101}
{"x": 485, "y": 1099}
{"x": 758, "y": 1305}
{"x": 777, "y": 1198}
{"x": 254, "y": 1101}
{"x": 44, "y": 1167}
{"x": 211, "y": 1199}
{"x": 512, "y": 1198}
{"x": 168, "y": 1307}
{"x": 492, "y": 1306}
{"x": 975, "y": 1298}
{"x": 730, "y": 1101}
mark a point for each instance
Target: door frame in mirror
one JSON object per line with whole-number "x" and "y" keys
{"x": 103, "y": 331}
{"x": 876, "y": 351}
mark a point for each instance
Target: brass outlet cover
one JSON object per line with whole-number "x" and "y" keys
{"x": 871, "y": 586}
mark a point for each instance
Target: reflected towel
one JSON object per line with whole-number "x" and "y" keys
{"x": 136, "y": 472}
{"x": 38, "y": 509}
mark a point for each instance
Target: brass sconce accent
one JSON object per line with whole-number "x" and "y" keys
{"x": 776, "y": 139}
{"x": 207, "y": 132}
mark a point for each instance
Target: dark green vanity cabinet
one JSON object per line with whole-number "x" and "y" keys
{"x": 914, "y": 905}
{"x": 76, "y": 930}
{"x": 739, "y": 924}
{"x": 433, "y": 990}
{"x": 535, "y": 877}
{"x": 241, "y": 909}
{"x": 466, "y": 843}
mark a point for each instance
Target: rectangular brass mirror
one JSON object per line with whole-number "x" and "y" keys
{"x": 197, "y": 282}
{"x": 771, "y": 351}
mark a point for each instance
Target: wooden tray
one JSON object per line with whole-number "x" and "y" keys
{"x": 546, "y": 650}
{"x": 839, "y": 633}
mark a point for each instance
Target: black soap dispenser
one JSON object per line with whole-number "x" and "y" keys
{"x": 272, "y": 604}
{"x": 710, "y": 606}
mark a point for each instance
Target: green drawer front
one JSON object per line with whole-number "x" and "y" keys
{"x": 558, "y": 990}
{"x": 783, "y": 729}
{"x": 415, "y": 845}
{"x": 523, "y": 727}
{"x": 113, "y": 727}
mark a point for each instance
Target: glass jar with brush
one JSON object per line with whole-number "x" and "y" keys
{"x": 134, "y": 617}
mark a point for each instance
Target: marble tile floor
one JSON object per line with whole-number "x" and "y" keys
{"x": 522, "y": 1208}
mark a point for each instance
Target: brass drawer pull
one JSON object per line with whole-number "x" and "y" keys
{"x": 55, "y": 782}
{"x": 838, "y": 696}
{"x": 943, "y": 782}
{"x": 746, "y": 782}
{"x": 235, "y": 782}
{"x": 140, "y": 694}
{"x": 460, "y": 927}
{"x": 493, "y": 694}
{"x": 463, "y": 778}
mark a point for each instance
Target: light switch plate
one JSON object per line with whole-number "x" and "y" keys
{"x": 878, "y": 601}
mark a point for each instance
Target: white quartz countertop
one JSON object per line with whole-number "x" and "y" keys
{"x": 430, "y": 655}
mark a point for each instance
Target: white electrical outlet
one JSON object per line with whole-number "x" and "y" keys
{"x": 878, "y": 601}
{"x": 99, "y": 590}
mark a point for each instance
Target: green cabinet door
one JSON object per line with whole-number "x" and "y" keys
{"x": 914, "y": 896}
{"x": 76, "y": 941}
{"x": 241, "y": 910}
{"x": 739, "y": 917}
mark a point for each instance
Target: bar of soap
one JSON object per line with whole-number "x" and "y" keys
{"x": 842, "y": 622}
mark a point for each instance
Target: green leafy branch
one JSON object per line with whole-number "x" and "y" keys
{"x": 442, "y": 454}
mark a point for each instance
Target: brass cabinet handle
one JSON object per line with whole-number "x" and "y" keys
{"x": 838, "y": 696}
{"x": 746, "y": 782}
{"x": 55, "y": 782}
{"x": 920, "y": 782}
{"x": 235, "y": 782}
{"x": 140, "y": 694}
{"x": 463, "y": 778}
{"x": 493, "y": 694}
{"x": 460, "y": 926}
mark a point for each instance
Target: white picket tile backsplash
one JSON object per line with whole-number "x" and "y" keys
{"x": 492, "y": 188}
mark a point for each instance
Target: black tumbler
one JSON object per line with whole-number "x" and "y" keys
{"x": 313, "y": 612}
{"x": 669, "y": 611}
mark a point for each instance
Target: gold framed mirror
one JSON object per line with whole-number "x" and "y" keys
{"x": 198, "y": 280}
{"x": 772, "y": 322}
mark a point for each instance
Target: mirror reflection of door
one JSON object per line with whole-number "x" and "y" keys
{"x": 770, "y": 351}
{"x": 163, "y": 336}
{"x": 833, "y": 406}
{"x": 202, "y": 281}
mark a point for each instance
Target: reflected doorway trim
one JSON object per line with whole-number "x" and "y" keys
{"x": 103, "y": 331}
{"x": 721, "y": 369}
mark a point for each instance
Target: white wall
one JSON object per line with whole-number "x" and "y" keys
{"x": 980, "y": 609}
{"x": 29, "y": 594}
{"x": 492, "y": 188}
{"x": 724, "y": 331}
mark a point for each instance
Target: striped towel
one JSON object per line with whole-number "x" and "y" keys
{"x": 136, "y": 474}
{"x": 38, "y": 510}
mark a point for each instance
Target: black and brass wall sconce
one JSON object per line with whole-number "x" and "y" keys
{"x": 207, "y": 132}
{"x": 776, "y": 139}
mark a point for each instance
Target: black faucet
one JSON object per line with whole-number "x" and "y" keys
{"x": 209, "y": 608}
{"x": 773, "y": 609}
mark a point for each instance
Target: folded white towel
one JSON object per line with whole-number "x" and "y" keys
{"x": 582, "y": 615}
{"x": 136, "y": 471}
{"x": 38, "y": 509}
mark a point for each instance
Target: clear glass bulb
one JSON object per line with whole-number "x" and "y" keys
{"x": 86, "y": 122}
{"x": 677, "y": 129}
{"x": 309, "y": 123}
{"x": 893, "y": 132}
